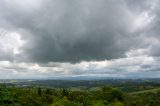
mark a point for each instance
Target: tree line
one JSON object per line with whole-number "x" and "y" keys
{"x": 106, "y": 96}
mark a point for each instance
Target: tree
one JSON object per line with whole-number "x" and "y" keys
{"x": 39, "y": 91}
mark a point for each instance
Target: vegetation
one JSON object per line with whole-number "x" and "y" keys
{"x": 120, "y": 95}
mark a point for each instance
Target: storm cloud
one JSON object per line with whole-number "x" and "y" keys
{"x": 62, "y": 30}
{"x": 76, "y": 31}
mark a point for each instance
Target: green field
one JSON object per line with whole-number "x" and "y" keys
{"x": 155, "y": 90}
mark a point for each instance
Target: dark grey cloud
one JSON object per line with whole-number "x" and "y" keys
{"x": 44, "y": 38}
{"x": 60, "y": 30}
{"x": 140, "y": 5}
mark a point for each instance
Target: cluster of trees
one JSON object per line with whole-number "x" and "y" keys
{"x": 106, "y": 96}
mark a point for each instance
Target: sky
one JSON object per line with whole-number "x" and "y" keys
{"x": 79, "y": 38}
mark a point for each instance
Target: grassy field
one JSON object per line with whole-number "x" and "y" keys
{"x": 146, "y": 91}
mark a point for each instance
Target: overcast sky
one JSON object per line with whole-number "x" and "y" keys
{"x": 70, "y": 38}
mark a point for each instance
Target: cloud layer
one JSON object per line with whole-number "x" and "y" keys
{"x": 74, "y": 34}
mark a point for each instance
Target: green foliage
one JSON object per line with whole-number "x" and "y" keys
{"x": 106, "y": 96}
{"x": 117, "y": 104}
{"x": 6, "y": 97}
{"x": 39, "y": 91}
{"x": 65, "y": 102}
{"x": 98, "y": 103}
{"x": 65, "y": 92}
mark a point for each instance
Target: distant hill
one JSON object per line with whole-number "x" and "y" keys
{"x": 86, "y": 83}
